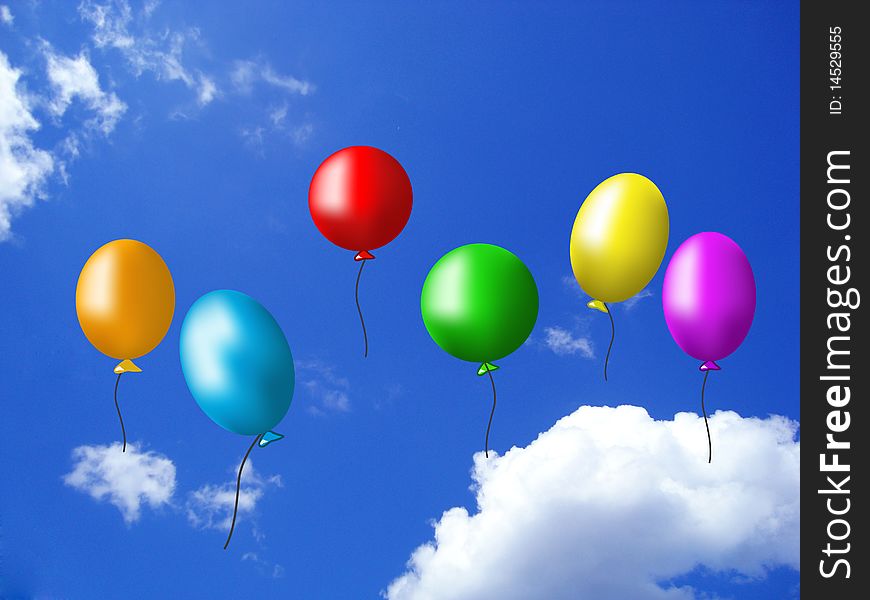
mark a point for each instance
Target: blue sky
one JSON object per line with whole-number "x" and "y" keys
{"x": 199, "y": 134}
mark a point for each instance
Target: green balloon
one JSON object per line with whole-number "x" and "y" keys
{"x": 479, "y": 302}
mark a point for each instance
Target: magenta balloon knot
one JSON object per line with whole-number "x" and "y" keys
{"x": 710, "y": 366}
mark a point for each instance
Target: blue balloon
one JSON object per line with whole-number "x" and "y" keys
{"x": 236, "y": 362}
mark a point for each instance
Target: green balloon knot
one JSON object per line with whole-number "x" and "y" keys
{"x": 487, "y": 366}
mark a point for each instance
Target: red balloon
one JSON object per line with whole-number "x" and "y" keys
{"x": 360, "y": 198}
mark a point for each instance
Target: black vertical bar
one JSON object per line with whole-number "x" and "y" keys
{"x": 834, "y": 228}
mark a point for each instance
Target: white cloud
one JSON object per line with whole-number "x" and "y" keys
{"x": 329, "y": 390}
{"x": 632, "y": 302}
{"x": 161, "y": 54}
{"x": 278, "y": 114}
{"x": 207, "y": 90}
{"x": 166, "y": 54}
{"x": 562, "y": 342}
{"x": 300, "y": 134}
{"x": 24, "y": 168}
{"x": 110, "y": 23}
{"x": 253, "y": 137}
{"x": 610, "y": 504}
{"x": 247, "y": 73}
{"x": 330, "y": 399}
{"x": 211, "y": 506}
{"x": 265, "y": 567}
{"x": 391, "y": 393}
{"x": 571, "y": 284}
{"x": 127, "y": 480}
{"x": 75, "y": 78}
{"x": 243, "y": 76}
{"x": 149, "y": 6}
{"x": 286, "y": 82}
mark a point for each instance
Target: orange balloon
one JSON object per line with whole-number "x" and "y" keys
{"x": 125, "y": 299}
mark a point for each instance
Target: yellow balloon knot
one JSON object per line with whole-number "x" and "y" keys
{"x": 127, "y": 366}
{"x": 597, "y": 305}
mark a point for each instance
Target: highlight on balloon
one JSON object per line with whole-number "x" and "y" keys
{"x": 479, "y": 303}
{"x": 360, "y": 199}
{"x": 708, "y": 299}
{"x": 238, "y": 367}
{"x": 618, "y": 242}
{"x": 125, "y": 299}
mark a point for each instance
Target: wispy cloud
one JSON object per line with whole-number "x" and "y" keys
{"x": 253, "y": 137}
{"x": 391, "y": 393}
{"x": 632, "y": 302}
{"x": 245, "y": 77}
{"x": 116, "y": 26}
{"x": 170, "y": 55}
{"x": 74, "y": 78}
{"x": 570, "y": 284}
{"x": 208, "y": 91}
{"x": 127, "y": 480}
{"x": 265, "y": 567}
{"x": 211, "y": 506}
{"x": 563, "y": 342}
{"x": 328, "y": 390}
{"x": 246, "y": 74}
{"x": 24, "y": 168}
{"x": 278, "y": 115}
{"x": 301, "y": 133}
{"x": 611, "y": 504}
{"x": 165, "y": 53}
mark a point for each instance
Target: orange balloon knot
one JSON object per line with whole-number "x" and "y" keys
{"x": 126, "y": 366}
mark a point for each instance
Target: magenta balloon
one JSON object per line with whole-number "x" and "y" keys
{"x": 709, "y": 296}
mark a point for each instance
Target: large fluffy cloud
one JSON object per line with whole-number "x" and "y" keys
{"x": 127, "y": 480}
{"x": 611, "y": 504}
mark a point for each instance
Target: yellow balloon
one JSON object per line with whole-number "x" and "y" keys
{"x": 125, "y": 299}
{"x": 619, "y": 237}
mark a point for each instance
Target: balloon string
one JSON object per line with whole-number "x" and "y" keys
{"x": 118, "y": 408}
{"x": 612, "y": 336}
{"x": 492, "y": 412}
{"x": 239, "y": 487}
{"x": 704, "y": 410}
{"x": 359, "y": 310}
